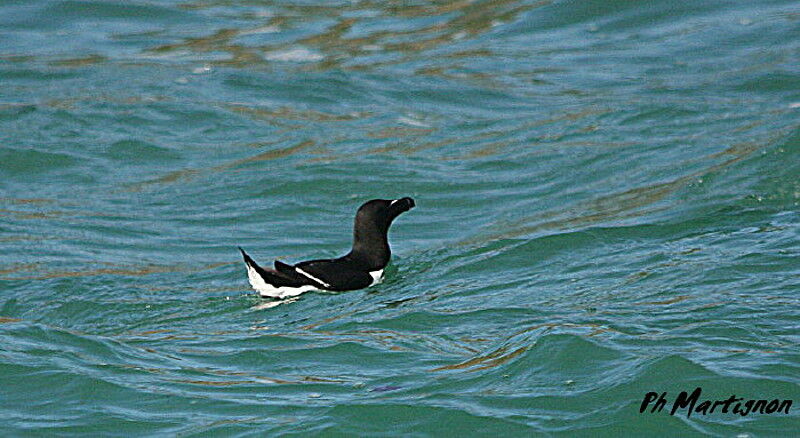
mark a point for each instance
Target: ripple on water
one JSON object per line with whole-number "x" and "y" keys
{"x": 607, "y": 205}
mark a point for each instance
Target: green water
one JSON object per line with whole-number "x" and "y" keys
{"x": 608, "y": 204}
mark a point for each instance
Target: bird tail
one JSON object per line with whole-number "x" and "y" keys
{"x": 271, "y": 283}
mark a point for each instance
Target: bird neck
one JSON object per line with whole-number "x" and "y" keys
{"x": 370, "y": 247}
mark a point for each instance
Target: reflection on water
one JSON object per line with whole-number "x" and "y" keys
{"x": 356, "y": 36}
{"x": 41, "y": 271}
{"x": 270, "y": 304}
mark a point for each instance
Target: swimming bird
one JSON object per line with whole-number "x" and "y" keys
{"x": 361, "y": 267}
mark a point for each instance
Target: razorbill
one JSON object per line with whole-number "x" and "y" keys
{"x": 360, "y": 268}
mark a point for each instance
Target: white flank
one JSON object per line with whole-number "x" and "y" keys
{"x": 267, "y": 290}
{"x": 377, "y": 276}
{"x": 312, "y": 277}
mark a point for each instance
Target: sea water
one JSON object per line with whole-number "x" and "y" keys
{"x": 608, "y": 213}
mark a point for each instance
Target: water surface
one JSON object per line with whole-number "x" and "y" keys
{"x": 608, "y": 203}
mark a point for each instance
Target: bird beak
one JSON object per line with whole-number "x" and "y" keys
{"x": 403, "y": 204}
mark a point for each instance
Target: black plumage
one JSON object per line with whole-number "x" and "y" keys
{"x": 361, "y": 267}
